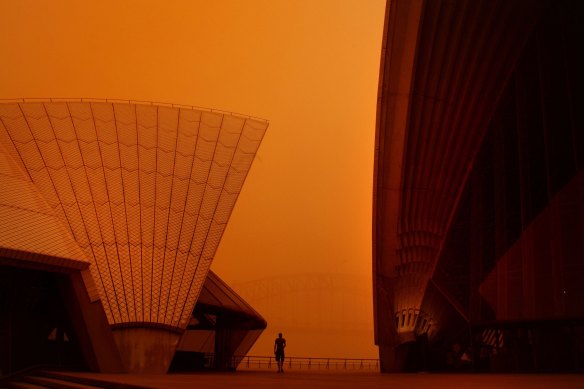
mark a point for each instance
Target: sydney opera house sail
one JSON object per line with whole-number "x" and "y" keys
{"x": 478, "y": 215}
{"x": 144, "y": 190}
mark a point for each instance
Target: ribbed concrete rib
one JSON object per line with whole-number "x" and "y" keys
{"x": 465, "y": 52}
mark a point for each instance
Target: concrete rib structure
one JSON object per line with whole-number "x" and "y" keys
{"x": 142, "y": 192}
{"x": 448, "y": 72}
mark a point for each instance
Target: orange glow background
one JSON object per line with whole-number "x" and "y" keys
{"x": 298, "y": 245}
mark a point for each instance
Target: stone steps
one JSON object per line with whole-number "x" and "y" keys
{"x": 64, "y": 380}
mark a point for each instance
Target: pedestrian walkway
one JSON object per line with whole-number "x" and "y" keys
{"x": 292, "y": 379}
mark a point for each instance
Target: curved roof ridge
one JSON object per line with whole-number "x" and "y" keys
{"x": 128, "y": 101}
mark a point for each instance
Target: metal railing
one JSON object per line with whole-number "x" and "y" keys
{"x": 267, "y": 362}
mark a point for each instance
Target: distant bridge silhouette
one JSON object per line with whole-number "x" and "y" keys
{"x": 280, "y": 285}
{"x": 310, "y": 301}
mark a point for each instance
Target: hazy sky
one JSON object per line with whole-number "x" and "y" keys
{"x": 308, "y": 66}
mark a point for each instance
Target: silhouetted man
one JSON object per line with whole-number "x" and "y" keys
{"x": 279, "y": 346}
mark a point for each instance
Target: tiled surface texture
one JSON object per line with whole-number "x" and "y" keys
{"x": 144, "y": 190}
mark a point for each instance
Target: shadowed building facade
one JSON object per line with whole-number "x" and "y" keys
{"x": 127, "y": 203}
{"x": 478, "y": 204}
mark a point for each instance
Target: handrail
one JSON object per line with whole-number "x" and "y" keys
{"x": 268, "y": 362}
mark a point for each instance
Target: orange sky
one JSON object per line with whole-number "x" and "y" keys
{"x": 302, "y": 225}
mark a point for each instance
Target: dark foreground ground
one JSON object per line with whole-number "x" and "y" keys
{"x": 345, "y": 379}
